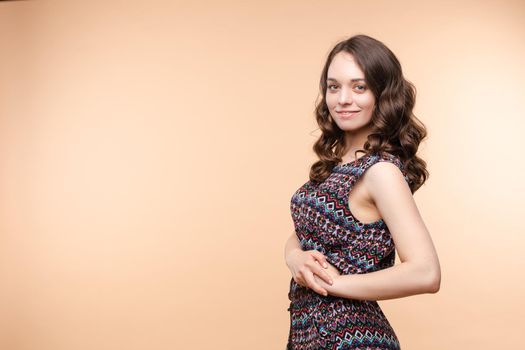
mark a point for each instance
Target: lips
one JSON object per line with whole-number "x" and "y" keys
{"x": 347, "y": 114}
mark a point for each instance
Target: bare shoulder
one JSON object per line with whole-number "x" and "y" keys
{"x": 385, "y": 174}
{"x": 388, "y": 190}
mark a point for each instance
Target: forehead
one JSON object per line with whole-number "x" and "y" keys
{"x": 344, "y": 68}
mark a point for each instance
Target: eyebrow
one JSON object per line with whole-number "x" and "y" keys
{"x": 353, "y": 80}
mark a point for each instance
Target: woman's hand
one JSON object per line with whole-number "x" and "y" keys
{"x": 334, "y": 274}
{"x": 307, "y": 270}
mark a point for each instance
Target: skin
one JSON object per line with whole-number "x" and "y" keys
{"x": 345, "y": 94}
{"x": 304, "y": 265}
{"x": 381, "y": 192}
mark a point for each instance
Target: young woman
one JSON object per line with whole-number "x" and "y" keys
{"x": 356, "y": 211}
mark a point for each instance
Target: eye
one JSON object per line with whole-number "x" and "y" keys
{"x": 363, "y": 88}
{"x": 330, "y": 86}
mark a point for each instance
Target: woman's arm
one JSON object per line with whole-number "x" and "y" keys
{"x": 419, "y": 271}
{"x": 306, "y": 265}
{"x": 292, "y": 244}
{"x": 398, "y": 281}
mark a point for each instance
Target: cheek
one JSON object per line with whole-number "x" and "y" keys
{"x": 370, "y": 102}
{"x": 366, "y": 102}
{"x": 329, "y": 101}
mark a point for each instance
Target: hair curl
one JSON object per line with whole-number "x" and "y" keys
{"x": 395, "y": 129}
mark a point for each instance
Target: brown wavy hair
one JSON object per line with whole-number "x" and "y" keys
{"x": 395, "y": 128}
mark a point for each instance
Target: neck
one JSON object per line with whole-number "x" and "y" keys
{"x": 355, "y": 140}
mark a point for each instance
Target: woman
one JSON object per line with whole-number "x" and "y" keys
{"x": 342, "y": 252}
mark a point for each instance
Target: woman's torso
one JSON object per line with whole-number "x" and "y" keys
{"x": 323, "y": 221}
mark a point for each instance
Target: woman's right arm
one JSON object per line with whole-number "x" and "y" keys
{"x": 304, "y": 264}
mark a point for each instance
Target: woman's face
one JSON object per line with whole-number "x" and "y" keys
{"x": 347, "y": 91}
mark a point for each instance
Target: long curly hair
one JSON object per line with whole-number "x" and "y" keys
{"x": 395, "y": 129}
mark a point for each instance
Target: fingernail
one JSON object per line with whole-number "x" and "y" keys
{"x": 325, "y": 266}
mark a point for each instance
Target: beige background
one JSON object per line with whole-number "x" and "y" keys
{"x": 149, "y": 151}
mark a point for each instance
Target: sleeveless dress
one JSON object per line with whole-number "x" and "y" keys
{"x": 324, "y": 222}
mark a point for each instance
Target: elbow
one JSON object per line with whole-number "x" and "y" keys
{"x": 434, "y": 281}
{"x": 429, "y": 278}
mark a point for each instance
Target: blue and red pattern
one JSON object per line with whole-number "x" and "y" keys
{"x": 324, "y": 222}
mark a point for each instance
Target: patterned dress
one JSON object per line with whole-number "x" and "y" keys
{"x": 324, "y": 222}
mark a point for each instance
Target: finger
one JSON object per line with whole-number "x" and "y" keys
{"x": 298, "y": 280}
{"x": 322, "y": 273}
{"x": 314, "y": 286}
{"x": 320, "y": 257}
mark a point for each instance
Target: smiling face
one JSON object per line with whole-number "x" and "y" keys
{"x": 347, "y": 91}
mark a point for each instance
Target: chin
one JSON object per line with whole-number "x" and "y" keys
{"x": 349, "y": 125}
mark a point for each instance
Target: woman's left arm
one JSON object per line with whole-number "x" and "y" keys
{"x": 419, "y": 271}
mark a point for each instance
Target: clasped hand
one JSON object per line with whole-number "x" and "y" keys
{"x": 308, "y": 270}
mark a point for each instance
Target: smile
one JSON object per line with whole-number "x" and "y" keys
{"x": 347, "y": 114}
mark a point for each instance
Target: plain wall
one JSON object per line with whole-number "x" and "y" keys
{"x": 149, "y": 151}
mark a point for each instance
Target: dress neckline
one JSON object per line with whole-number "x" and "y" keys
{"x": 351, "y": 162}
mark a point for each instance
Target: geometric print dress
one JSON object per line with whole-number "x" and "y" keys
{"x": 324, "y": 222}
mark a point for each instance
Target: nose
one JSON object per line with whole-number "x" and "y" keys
{"x": 345, "y": 97}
